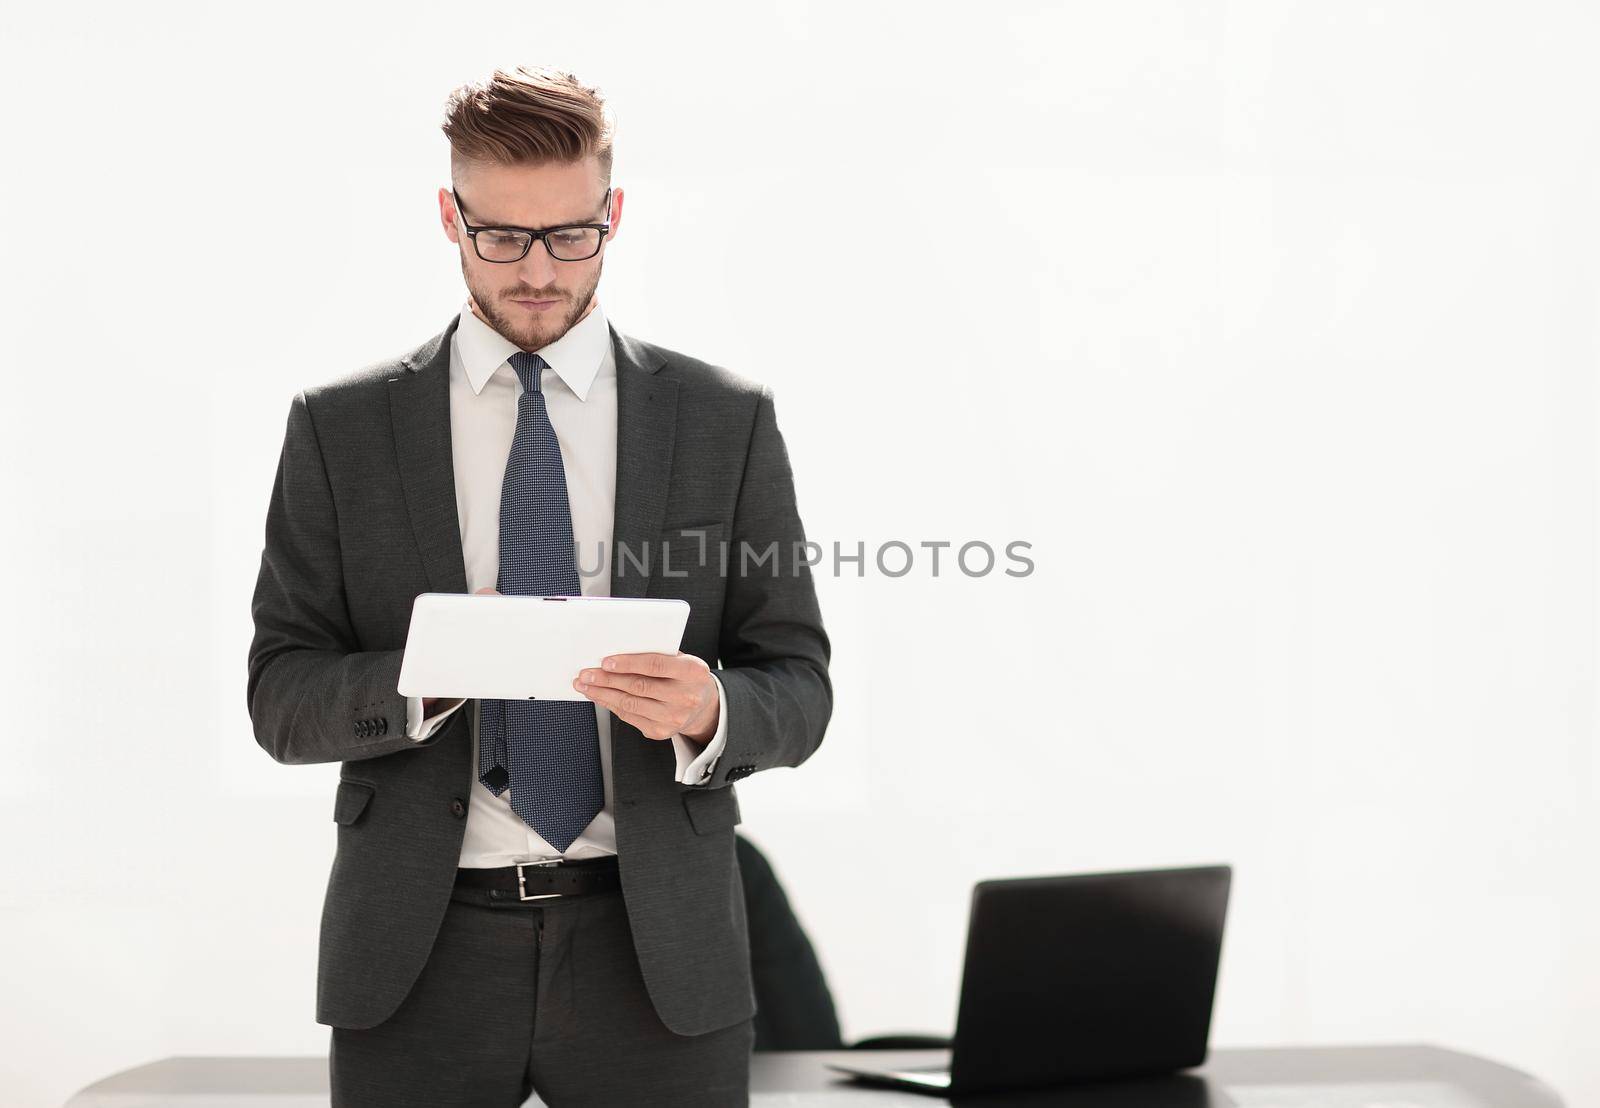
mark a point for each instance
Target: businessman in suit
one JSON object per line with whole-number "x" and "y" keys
{"x": 536, "y": 896}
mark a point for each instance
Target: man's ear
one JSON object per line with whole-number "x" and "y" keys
{"x": 448, "y": 216}
{"x": 616, "y": 212}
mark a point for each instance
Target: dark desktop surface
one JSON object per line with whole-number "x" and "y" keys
{"x": 1313, "y": 1077}
{"x": 1283, "y": 1077}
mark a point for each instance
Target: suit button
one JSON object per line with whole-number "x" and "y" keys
{"x": 457, "y": 808}
{"x": 383, "y": 726}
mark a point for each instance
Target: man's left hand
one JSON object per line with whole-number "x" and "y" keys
{"x": 660, "y": 694}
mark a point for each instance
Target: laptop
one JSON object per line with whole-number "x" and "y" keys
{"x": 1086, "y": 977}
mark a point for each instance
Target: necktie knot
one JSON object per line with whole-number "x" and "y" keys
{"x": 529, "y": 368}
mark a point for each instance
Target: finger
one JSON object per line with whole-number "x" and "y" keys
{"x": 681, "y": 698}
{"x": 669, "y": 690}
{"x": 632, "y": 704}
{"x": 649, "y": 728}
{"x": 652, "y": 664}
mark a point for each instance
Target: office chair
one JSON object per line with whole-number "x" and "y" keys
{"x": 794, "y": 1007}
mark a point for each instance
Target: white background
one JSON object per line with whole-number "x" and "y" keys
{"x": 1272, "y": 327}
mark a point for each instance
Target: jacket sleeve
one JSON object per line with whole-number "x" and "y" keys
{"x": 772, "y": 649}
{"x": 312, "y": 696}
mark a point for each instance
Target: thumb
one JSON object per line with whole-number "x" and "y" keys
{"x": 487, "y": 589}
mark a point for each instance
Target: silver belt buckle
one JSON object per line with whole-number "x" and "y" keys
{"x": 522, "y": 889}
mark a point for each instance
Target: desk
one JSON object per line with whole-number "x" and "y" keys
{"x": 1292, "y": 1077}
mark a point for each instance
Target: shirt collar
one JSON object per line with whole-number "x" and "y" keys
{"x": 577, "y": 357}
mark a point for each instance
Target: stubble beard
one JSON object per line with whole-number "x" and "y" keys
{"x": 531, "y": 330}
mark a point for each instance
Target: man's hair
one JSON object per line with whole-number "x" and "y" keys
{"x": 533, "y": 116}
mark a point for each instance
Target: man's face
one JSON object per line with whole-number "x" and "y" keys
{"x": 532, "y": 302}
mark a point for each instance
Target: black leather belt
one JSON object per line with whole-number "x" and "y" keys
{"x": 538, "y": 881}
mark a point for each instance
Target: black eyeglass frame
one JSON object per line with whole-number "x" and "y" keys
{"x": 472, "y": 232}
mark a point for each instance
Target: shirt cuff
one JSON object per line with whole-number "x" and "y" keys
{"x": 418, "y": 728}
{"x": 694, "y": 763}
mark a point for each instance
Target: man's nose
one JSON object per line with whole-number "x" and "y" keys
{"x": 538, "y": 268}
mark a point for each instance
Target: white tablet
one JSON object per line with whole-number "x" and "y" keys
{"x": 504, "y": 647}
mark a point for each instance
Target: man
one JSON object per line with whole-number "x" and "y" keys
{"x": 536, "y": 895}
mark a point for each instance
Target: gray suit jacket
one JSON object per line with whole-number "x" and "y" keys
{"x": 363, "y": 518}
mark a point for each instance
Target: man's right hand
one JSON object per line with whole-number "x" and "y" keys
{"x": 429, "y": 701}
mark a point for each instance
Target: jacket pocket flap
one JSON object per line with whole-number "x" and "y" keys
{"x": 692, "y": 531}
{"x": 712, "y": 809}
{"x": 351, "y": 800}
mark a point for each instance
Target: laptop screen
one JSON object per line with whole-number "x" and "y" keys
{"x": 1088, "y": 976}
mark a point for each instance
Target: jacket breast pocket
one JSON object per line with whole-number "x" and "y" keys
{"x": 351, "y": 800}
{"x": 712, "y": 809}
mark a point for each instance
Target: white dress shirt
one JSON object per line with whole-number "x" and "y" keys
{"x": 580, "y": 389}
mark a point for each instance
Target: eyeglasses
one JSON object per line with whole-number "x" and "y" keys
{"x": 574, "y": 242}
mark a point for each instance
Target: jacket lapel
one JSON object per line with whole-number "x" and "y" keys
{"x": 419, "y": 407}
{"x": 647, "y": 416}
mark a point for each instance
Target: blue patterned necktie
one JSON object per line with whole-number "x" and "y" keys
{"x": 546, "y": 751}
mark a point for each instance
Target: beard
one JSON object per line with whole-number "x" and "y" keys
{"x": 531, "y": 330}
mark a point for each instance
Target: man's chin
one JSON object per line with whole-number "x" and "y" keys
{"x": 526, "y": 327}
